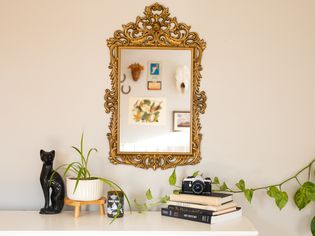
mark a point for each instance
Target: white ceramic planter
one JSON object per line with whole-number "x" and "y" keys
{"x": 87, "y": 190}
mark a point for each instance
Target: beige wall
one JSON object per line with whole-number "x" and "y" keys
{"x": 258, "y": 73}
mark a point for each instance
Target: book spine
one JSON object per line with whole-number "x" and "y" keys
{"x": 186, "y": 216}
{"x": 190, "y": 205}
{"x": 190, "y": 210}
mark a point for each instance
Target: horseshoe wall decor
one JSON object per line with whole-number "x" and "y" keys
{"x": 123, "y": 79}
{"x": 122, "y": 89}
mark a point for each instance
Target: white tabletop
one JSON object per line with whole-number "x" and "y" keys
{"x": 144, "y": 222}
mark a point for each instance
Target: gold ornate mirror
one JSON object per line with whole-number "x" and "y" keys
{"x": 155, "y": 98}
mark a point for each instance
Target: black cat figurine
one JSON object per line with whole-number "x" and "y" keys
{"x": 57, "y": 193}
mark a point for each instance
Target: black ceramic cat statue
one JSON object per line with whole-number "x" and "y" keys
{"x": 57, "y": 193}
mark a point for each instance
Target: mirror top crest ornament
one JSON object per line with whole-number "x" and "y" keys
{"x": 157, "y": 30}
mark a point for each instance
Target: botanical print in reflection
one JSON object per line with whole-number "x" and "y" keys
{"x": 147, "y": 110}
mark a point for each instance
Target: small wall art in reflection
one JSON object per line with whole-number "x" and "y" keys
{"x": 181, "y": 121}
{"x": 154, "y": 70}
{"x": 147, "y": 110}
{"x": 154, "y": 85}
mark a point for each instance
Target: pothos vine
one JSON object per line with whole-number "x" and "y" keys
{"x": 304, "y": 195}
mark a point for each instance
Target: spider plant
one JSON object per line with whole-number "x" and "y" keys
{"x": 81, "y": 171}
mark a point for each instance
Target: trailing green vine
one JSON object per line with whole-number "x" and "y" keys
{"x": 304, "y": 195}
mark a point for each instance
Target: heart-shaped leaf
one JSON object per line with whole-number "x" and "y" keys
{"x": 241, "y": 185}
{"x": 281, "y": 198}
{"x": 172, "y": 178}
{"x": 304, "y": 195}
{"x": 216, "y": 180}
{"x": 148, "y": 194}
{"x": 310, "y": 190}
{"x": 176, "y": 191}
{"x": 272, "y": 191}
{"x": 196, "y": 173}
{"x": 223, "y": 187}
{"x": 249, "y": 194}
{"x": 139, "y": 207}
{"x": 164, "y": 199}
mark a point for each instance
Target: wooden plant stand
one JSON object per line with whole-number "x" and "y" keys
{"x": 77, "y": 205}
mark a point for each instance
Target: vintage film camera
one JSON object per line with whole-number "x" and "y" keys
{"x": 197, "y": 185}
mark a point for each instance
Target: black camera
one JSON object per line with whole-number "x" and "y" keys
{"x": 196, "y": 185}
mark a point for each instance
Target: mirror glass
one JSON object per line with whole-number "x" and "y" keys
{"x": 155, "y": 100}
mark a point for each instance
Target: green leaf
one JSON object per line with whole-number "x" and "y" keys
{"x": 89, "y": 153}
{"x": 216, "y": 180}
{"x": 223, "y": 187}
{"x": 87, "y": 173}
{"x": 273, "y": 191}
{"x": 241, "y": 185}
{"x": 114, "y": 185}
{"x": 68, "y": 168}
{"x": 176, "y": 191}
{"x": 52, "y": 176}
{"x": 147, "y": 101}
{"x": 148, "y": 194}
{"x": 117, "y": 213}
{"x": 310, "y": 189}
{"x": 80, "y": 153}
{"x": 58, "y": 168}
{"x": 75, "y": 169}
{"x": 139, "y": 207}
{"x": 281, "y": 198}
{"x": 313, "y": 226}
{"x": 301, "y": 200}
{"x": 78, "y": 179}
{"x": 81, "y": 143}
{"x": 145, "y": 116}
{"x": 304, "y": 195}
{"x": 196, "y": 173}
{"x": 172, "y": 178}
{"x": 164, "y": 199}
{"x": 249, "y": 194}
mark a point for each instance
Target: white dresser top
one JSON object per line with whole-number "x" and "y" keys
{"x": 132, "y": 222}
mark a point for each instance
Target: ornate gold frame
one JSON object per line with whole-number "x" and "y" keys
{"x": 158, "y": 30}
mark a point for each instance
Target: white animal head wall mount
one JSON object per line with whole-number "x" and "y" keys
{"x": 182, "y": 77}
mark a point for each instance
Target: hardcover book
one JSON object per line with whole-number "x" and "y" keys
{"x": 203, "y": 218}
{"x": 203, "y": 206}
{"x": 200, "y": 211}
{"x": 216, "y": 199}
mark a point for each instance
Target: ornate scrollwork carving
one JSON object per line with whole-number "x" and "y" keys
{"x": 201, "y": 102}
{"x": 155, "y": 29}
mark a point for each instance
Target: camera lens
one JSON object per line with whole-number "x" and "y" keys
{"x": 198, "y": 186}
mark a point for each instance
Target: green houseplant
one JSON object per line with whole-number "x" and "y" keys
{"x": 83, "y": 185}
{"x": 304, "y": 195}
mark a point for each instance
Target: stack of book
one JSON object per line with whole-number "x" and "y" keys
{"x": 212, "y": 209}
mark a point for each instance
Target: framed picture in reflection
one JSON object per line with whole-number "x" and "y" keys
{"x": 154, "y": 85}
{"x": 154, "y": 70}
{"x": 147, "y": 110}
{"x": 181, "y": 121}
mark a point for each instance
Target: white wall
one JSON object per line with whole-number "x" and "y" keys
{"x": 258, "y": 74}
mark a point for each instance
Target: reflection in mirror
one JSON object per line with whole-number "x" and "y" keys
{"x": 155, "y": 100}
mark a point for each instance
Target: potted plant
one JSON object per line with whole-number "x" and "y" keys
{"x": 83, "y": 186}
